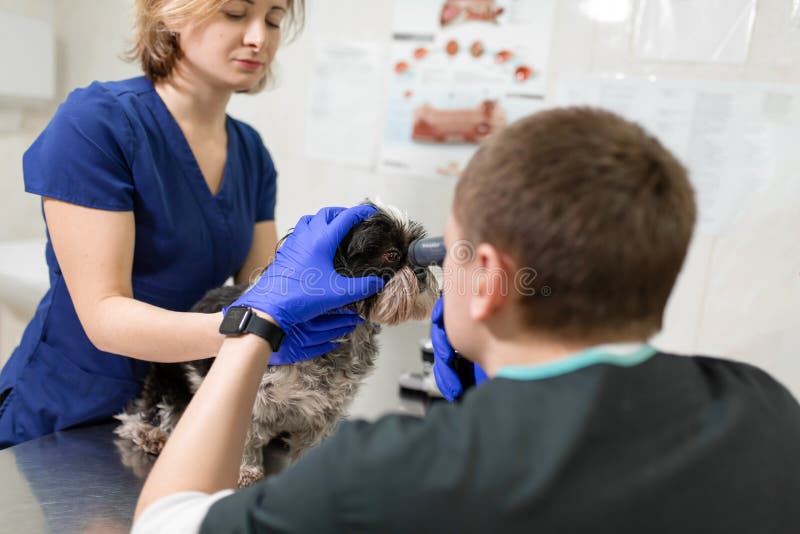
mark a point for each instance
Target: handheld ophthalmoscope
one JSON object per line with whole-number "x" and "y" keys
{"x": 427, "y": 251}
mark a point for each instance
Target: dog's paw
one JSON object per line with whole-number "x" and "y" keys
{"x": 152, "y": 440}
{"x": 148, "y": 438}
{"x": 249, "y": 475}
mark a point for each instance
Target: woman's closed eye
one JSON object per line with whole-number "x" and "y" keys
{"x": 271, "y": 22}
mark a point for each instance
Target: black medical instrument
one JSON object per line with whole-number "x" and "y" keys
{"x": 427, "y": 251}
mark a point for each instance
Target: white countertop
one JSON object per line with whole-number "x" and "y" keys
{"x": 23, "y": 275}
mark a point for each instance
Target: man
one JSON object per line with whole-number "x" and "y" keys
{"x": 567, "y": 233}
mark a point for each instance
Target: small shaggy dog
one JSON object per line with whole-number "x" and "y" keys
{"x": 297, "y": 405}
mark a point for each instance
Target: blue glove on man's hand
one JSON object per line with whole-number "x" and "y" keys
{"x": 315, "y": 337}
{"x": 301, "y": 283}
{"x": 445, "y": 360}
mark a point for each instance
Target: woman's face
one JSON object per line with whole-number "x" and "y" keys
{"x": 234, "y": 48}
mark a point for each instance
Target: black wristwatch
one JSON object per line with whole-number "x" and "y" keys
{"x": 241, "y": 320}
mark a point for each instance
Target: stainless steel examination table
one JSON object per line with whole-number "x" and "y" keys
{"x": 83, "y": 480}
{"x": 71, "y": 481}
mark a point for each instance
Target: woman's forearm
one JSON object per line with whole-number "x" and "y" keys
{"x": 205, "y": 450}
{"x": 122, "y": 325}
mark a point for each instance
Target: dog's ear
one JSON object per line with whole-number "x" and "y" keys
{"x": 340, "y": 258}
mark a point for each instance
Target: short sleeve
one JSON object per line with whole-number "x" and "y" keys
{"x": 84, "y": 155}
{"x": 179, "y": 512}
{"x": 268, "y": 186}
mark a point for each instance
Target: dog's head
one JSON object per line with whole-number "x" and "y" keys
{"x": 378, "y": 246}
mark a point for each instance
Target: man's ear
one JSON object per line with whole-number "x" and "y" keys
{"x": 490, "y": 282}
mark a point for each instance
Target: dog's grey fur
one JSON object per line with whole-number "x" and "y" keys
{"x": 297, "y": 405}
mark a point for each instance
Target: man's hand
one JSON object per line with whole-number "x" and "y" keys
{"x": 302, "y": 284}
{"x": 453, "y": 373}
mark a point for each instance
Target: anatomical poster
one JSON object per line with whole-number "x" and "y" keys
{"x": 737, "y": 139}
{"x": 460, "y": 70}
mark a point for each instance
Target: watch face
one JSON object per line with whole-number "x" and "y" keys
{"x": 235, "y": 320}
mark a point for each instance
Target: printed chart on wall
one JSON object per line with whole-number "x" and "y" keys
{"x": 460, "y": 70}
{"x": 732, "y": 136}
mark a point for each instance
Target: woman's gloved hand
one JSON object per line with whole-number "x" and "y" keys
{"x": 301, "y": 283}
{"x": 452, "y": 372}
{"x": 315, "y": 337}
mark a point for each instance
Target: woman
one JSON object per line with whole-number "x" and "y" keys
{"x": 151, "y": 195}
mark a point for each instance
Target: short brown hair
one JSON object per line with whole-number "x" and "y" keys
{"x": 158, "y": 49}
{"x": 596, "y": 206}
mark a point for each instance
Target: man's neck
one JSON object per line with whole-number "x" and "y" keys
{"x": 533, "y": 351}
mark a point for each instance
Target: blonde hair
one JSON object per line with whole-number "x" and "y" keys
{"x": 158, "y": 49}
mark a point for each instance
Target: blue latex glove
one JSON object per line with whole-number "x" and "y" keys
{"x": 301, "y": 283}
{"x": 444, "y": 358}
{"x": 315, "y": 337}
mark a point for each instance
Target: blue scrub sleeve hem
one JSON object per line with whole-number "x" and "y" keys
{"x": 87, "y": 203}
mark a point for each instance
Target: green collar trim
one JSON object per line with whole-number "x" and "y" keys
{"x": 626, "y": 355}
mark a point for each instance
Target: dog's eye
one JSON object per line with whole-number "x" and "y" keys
{"x": 391, "y": 256}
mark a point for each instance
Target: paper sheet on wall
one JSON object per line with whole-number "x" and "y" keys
{"x": 460, "y": 70}
{"x": 711, "y": 31}
{"x": 343, "y": 112}
{"x": 726, "y": 133}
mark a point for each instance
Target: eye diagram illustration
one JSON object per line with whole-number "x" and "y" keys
{"x": 466, "y": 125}
{"x": 455, "y": 11}
{"x": 503, "y": 58}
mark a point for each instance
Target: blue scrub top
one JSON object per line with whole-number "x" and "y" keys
{"x": 115, "y": 146}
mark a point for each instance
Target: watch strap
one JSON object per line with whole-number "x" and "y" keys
{"x": 265, "y": 329}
